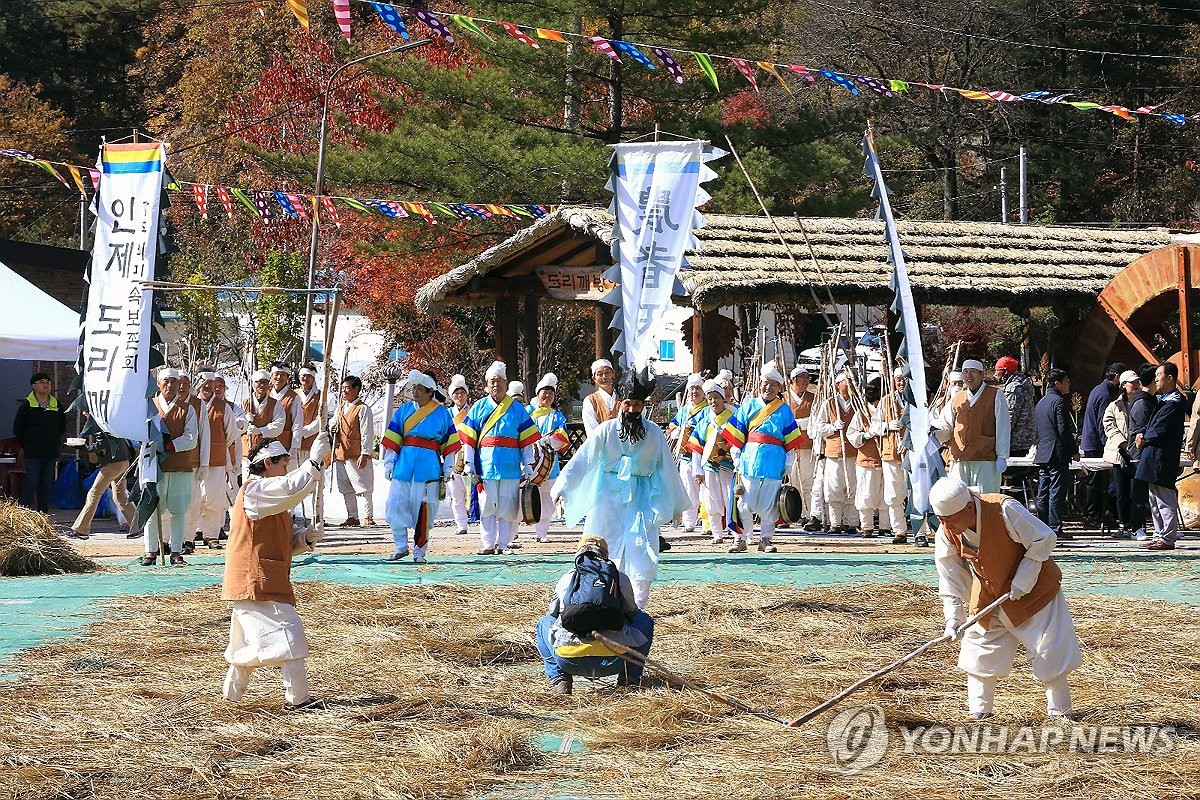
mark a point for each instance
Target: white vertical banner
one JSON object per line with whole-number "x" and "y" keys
{"x": 656, "y": 189}
{"x": 115, "y": 356}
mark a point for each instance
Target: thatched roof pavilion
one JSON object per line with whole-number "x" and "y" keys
{"x": 742, "y": 261}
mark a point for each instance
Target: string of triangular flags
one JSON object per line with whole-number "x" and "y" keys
{"x": 672, "y": 58}
{"x": 274, "y": 204}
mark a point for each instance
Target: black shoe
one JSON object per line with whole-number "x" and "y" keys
{"x": 133, "y": 535}
{"x": 222, "y": 536}
{"x": 663, "y": 544}
{"x": 813, "y": 525}
{"x": 199, "y": 537}
{"x": 214, "y": 544}
{"x": 189, "y": 548}
{"x": 149, "y": 560}
{"x": 311, "y": 704}
{"x": 1121, "y": 535}
{"x": 177, "y": 560}
{"x": 921, "y": 541}
{"x": 71, "y": 533}
{"x": 900, "y": 538}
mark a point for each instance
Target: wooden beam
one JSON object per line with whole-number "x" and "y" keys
{"x": 699, "y": 345}
{"x": 1127, "y": 332}
{"x": 1182, "y": 257}
{"x": 506, "y": 334}
{"x": 604, "y": 338}
{"x": 532, "y": 336}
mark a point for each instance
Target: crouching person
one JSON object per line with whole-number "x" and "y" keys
{"x": 265, "y": 629}
{"x": 592, "y": 598}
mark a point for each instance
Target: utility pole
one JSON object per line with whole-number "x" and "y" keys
{"x": 1004, "y": 195}
{"x": 1024, "y": 177}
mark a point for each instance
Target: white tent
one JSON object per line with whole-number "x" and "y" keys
{"x": 35, "y": 326}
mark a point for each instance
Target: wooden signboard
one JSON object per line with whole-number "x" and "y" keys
{"x": 573, "y": 283}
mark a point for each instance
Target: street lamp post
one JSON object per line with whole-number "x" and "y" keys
{"x": 320, "y": 187}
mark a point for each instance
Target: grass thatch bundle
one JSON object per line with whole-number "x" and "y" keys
{"x": 437, "y": 691}
{"x": 30, "y": 546}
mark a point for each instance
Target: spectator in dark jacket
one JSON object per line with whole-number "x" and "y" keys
{"x": 1055, "y": 449}
{"x": 1158, "y": 464}
{"x": 39, "y": 427}
{"x": 1141, "y": 408}
{"x": 1092, "y": 439}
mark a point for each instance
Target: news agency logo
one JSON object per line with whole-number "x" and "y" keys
{"x": 858, "y": 738}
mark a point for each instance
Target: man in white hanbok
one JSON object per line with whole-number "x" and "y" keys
{"x": 625, "y": 482}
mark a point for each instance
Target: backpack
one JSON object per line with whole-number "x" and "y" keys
{"x": 593, "y": 601}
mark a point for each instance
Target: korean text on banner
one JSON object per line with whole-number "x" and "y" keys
{"x": 656, "y": 188}
{"x": 116, "y": 337}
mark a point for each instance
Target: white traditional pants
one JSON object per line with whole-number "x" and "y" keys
{"x": 981, "y": 474}
{"x": 868, "y": 495}
{"x": 1049, "y": 639}
{"x": 404, "y": 507}
{"x": 499, "y": 513}
{"x": 264, "y": 634}
{"x": 715, "y": 492}
{"x": 641, "y": 593}
{"x": 355, "y": 482}
{"x": 542, "y": 528}
{"x": 762, "y": 498}
{"x": 817, "y": 507}
{"x": 895, "y": 495}
{"x": 803, "y": 468}
{"x": 193, "y": 523}
{"x": 214, "y": 501}
{"x": 691, "y": 514}
{"x": 460, "y": 496}
{"x": 839, "y": 482}
{"x": 174, "y": 507}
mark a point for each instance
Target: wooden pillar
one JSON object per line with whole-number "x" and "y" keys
{"x": 604, "y": 336}
{"x": 532, "y": 337}
{"x": 1187, "y": 370}
{"x": 704, "y": 341}
{"x": 506, "y": 335}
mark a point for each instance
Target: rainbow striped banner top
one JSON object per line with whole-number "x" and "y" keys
{"x": 126, "y": 159}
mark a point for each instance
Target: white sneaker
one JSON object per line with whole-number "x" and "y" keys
{"x": 419, "y": 560}
{"x": 717, "y": 539}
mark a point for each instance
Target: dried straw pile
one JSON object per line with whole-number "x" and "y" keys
{"x": 437, "y": 692}
{"x": 30, "y": 546}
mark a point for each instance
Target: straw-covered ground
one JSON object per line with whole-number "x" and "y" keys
{"x": 436, "y": 691}
{"x": 29, "y": 545}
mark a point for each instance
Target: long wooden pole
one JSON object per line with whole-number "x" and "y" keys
{"x": 330, "y": 326}
{"x": 874, "y": 676}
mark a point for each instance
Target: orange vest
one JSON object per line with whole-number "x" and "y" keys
{"x": 176, "y": 421}
{"x": 258, "y": 559}
{"x": 995, "y": 563}
{"x": 838, "y": 444}
{"x": 308, "y": 412}
{"x": 803, "y": 408}
{"x": 603, "y": 412}
{"x": 868, "y": 454}
{"x": 251, "y": 439}
{"x": 889, "y": 445}
{"x": 194, "y": 454}
{"x": 974, "y": 437}
{"x": 218, "y": 448}
{"x": 288, "y": 400}
{"x": 348, "y": 442}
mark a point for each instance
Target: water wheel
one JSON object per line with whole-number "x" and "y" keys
{"x": 1148, "y": 313}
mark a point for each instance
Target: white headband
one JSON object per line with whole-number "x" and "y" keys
{"x": 272, "y": 450}
{"x": 168, "y": 372}
{"x": 183, "y": 373}
{"x": 418, "y": 378}
{"x": 949, "y": 496}
{"x": 458, "y": 382}
{"x": 260, "y": 375}
{"x": 695, "y": 379}
{"x": 278, "y": 368}
{"x": 307, "y": 371}
{"x": 205, "y": 376}
{"x": 797, "y": 371}
{"x": 600, "y": 362}
{"x": 770, "y": 372}
{"x": 713, "y": 386}
{"x": 955, "y": 376}
{"x": 972, "y": 363}
{"x": 516, "y": 388}
{"x": 548, "y": 381}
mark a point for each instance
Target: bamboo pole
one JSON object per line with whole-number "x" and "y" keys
{"x": 330, "y": 326}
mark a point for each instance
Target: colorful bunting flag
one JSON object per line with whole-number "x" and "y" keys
{"x": 445, "y": 209}
{"x": 628, "y": 49}
{"x": 803, "y": 72}
{"x": 468, "y": 24}
{"x": 299, "y": 204}
{"x": 874, "y": 85}
{"x": 350, "y": 201}
{"x": 549, "y": 35}
{"x": 705, "y": 62}
{"x": 973, "y": 94}
{"x": 226, "y": 201}
{"x": 330, "y": 210}
{"x": 421, "y": 211}
{"x": 898, "y": 86}
{"x": 300, "y": 9}
{"x": 743, "y": 66}
{"x": 388, "y": 208}
{"x": 602, "y": 45}
{"x": 262, "y": 203}
{"x": 94, "y": 174}
{"x": 1004, "y": 97}
{"x": 78, "y": 178}
{"x": 519, "y": 35}
{"x": 46, "y": 165}
{"x": 200, "y": 196}
{"x": 671, "y": 64}
{"x": 391, "y": 18}
{"x": 285, "y": 204}
{"x": 1178, "y": 119}
{"x": 771, "y": 69}
{"x": 498, "y": 211}
{"x": 840, "y": 80}
{"x": 21, "y": 154}
{"x": 434, "y": 23}
{"x": 1120, "y": 111}
{"x": 341, "y": 10}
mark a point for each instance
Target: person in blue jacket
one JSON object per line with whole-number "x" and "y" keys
{"x": 1159, "y": 447}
